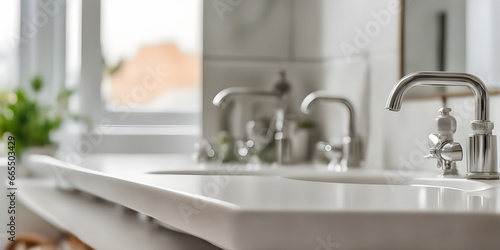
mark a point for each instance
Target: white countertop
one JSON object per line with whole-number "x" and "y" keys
{"x": 268, "y": 210}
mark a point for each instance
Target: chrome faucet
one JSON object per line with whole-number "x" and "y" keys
{"x": 281, "y": 88}
{"x": 220, "y": 99}
{"x": 350, "y": 150}
{"x": 482, "y": 144}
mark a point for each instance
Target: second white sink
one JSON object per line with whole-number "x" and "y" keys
{"x": 428, "y": 179}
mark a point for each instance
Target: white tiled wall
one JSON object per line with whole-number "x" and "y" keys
{"x": 305, "y": 38}
{"x": 250, "y": 30}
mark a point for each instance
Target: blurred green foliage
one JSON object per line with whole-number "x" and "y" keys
{"x": 307, "y": 125}
{"x": 29, "y": 122}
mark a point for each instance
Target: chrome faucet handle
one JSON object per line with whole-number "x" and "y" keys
{"x": 204, "y": 151}
{"x": 447, "y": 154}
{"x": 334, "y": 155}
{"x": 441, "y": 144}
{"x": 446, "y": 151}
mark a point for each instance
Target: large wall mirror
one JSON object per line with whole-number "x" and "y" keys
{"x": 434, "y": 35}
{"x": 450, "y": 35}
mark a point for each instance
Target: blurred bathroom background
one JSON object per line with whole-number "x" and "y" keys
{"x": 145, "y": 72}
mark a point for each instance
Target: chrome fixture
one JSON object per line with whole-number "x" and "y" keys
{"x": 442, "y": 146}
{"x": 482, "y": 144}
{"x": 350, "y": 149}
{"x": 204, "y": 151}
{"x": 278, "y": 126}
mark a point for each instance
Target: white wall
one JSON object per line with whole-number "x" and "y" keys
{"x": 482, "y": 41}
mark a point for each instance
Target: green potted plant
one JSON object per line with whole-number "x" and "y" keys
{"x": 31, "y": 123}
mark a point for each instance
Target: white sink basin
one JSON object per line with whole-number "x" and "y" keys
{"x": 213, "y": 172}
{"x": 425, "y": 179}
{"x": 240, "y": 170}
{"x": 357, "y": 176}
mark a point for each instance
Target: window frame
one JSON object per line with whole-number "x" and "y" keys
{"x": 91, "y": 77}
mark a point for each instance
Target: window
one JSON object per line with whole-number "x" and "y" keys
{"x": 151, "y": 53}
{"x": 149, "y": 50}
{"x": 141, "y": 61}
{"x": 9, "y": 39}
{"x": 73, "y": 42}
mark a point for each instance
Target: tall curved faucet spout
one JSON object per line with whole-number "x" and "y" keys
{"x": 228, "y": 93}
{"x": 441, "y": 79}
{"x": 324, "y": 96}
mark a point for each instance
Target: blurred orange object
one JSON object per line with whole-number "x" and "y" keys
{"x": 30, "y": 241}
{"x": 76, "y": 244}
{"x": 164, "y": 67}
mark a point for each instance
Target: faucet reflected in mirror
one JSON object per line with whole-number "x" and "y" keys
{"x": 279, "y": 139}
{"x": 348, "y": 153}
{"x": 482, "y": 144}
{"x": 272, "y": 145}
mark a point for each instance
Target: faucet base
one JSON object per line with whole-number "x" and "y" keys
{"x": 452, "y": 171}
{"x": 483, "y": 176}
{"x": 482, "y": 162}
